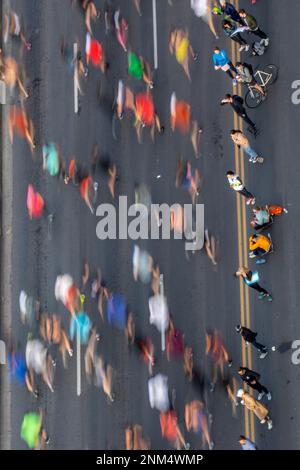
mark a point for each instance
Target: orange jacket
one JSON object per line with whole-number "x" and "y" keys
{"x": 262, "y": 242}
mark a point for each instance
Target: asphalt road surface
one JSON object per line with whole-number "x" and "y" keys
{"x": 200, "y": 296}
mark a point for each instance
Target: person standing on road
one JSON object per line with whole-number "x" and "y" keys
{"x": 221, "y": 61}
{"x": 246, "y": 443}
{"x": 237, "y": 103}
{"x": 229, "y": 10}
{"x": 251, "y": 279}
{"x": 252, "y": 24}
{"x": 233, "y": 32}
{"x": 237, "y": 184}
{"x": 245, "y": 76}
{"x": 251, "y": 378}
{"x": 241, "y": 141}
{"x": 260, "y": 410}
{"x": 250, "y": 337}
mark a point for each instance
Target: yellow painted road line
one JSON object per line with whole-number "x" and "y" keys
{"x": 240, "y": 254}
{"x": 245, "y": 251}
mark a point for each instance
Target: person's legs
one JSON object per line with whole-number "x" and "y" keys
{"x": 262, "y": 390}
{"x": 248, "y": 120}
{"x": 260, "y": 289}
{"x": 238, "y": 38}
{"x": 230, "y": 74}
{"x": 232, "y": 67}
{"x": 244, "y": 192}
{"x": 258, "y": 32}
{"x": 259, "y": 346}
{"x": 252, "y": 154}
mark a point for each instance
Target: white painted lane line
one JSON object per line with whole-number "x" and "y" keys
{"x": 75, "y": 53}
{"x": 155, "y": 34}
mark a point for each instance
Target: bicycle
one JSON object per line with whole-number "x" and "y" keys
{"x": 264, "y": 78}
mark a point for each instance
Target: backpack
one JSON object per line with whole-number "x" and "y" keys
{"x": 275, "y": 210}
{"x": 258, "y": 48}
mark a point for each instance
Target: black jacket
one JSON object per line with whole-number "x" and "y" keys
{"x": 249, "y": 375}
{"x": 248, "y": 335}
{"x": 238, "y": 104}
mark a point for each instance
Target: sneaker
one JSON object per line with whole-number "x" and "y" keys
{"x": 234, "y": 82}
{"x": 253, "y": 201}
{"x": 260, "y": 395}
{"x": 243, "y": 47}
{"x": 230, "y": 363}
{"x": 212, "y": 387}
{"x": 259, "y": 160}
{"x": 247, "y": 47}
{"x": 263, "y": 421}
{"x": 262, "y": 296}
{"x": 162, "y": 130}
{"x": 263, "y": 355}
{"x": 187, "y": 446}
{"x": 248, "y": 201}
{"x": 270, "y": 298}
{"x": 195, "y": 57}
{"x": 270, "y": 425}
{"x": 269, "y": 396}
{"x": 151, "y": 85}
{"x": 285, "y": 210}
{"x": 211, "y": 445}
{"x": 266, "y": 41}
{"x": 71, "y": 352}
{"x": 47, "y": 440}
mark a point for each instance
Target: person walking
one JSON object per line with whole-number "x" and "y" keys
{"x": 250, "y": 337}
{"x": 222, "y": 62}
{"x": 251, "y": 378}
{"x": 252, "y": 24}
{"x": 246, "y": 443}
{"x": 233, "y": 32}
{"x": 237, "y": 184}
{"x": 260, "y": 410}
{"x": 237, "y": 104}
{"x": 241, "y": 141}
{"x": 251, "y": 279}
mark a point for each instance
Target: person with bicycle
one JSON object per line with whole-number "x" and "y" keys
{"x": 245, "y": 76}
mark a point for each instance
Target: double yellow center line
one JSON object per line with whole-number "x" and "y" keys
{"x": 242, "y": 244}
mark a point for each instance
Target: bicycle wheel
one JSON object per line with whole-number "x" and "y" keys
{"x": 253, "y": 98}
{"x": 273, "y": 71}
